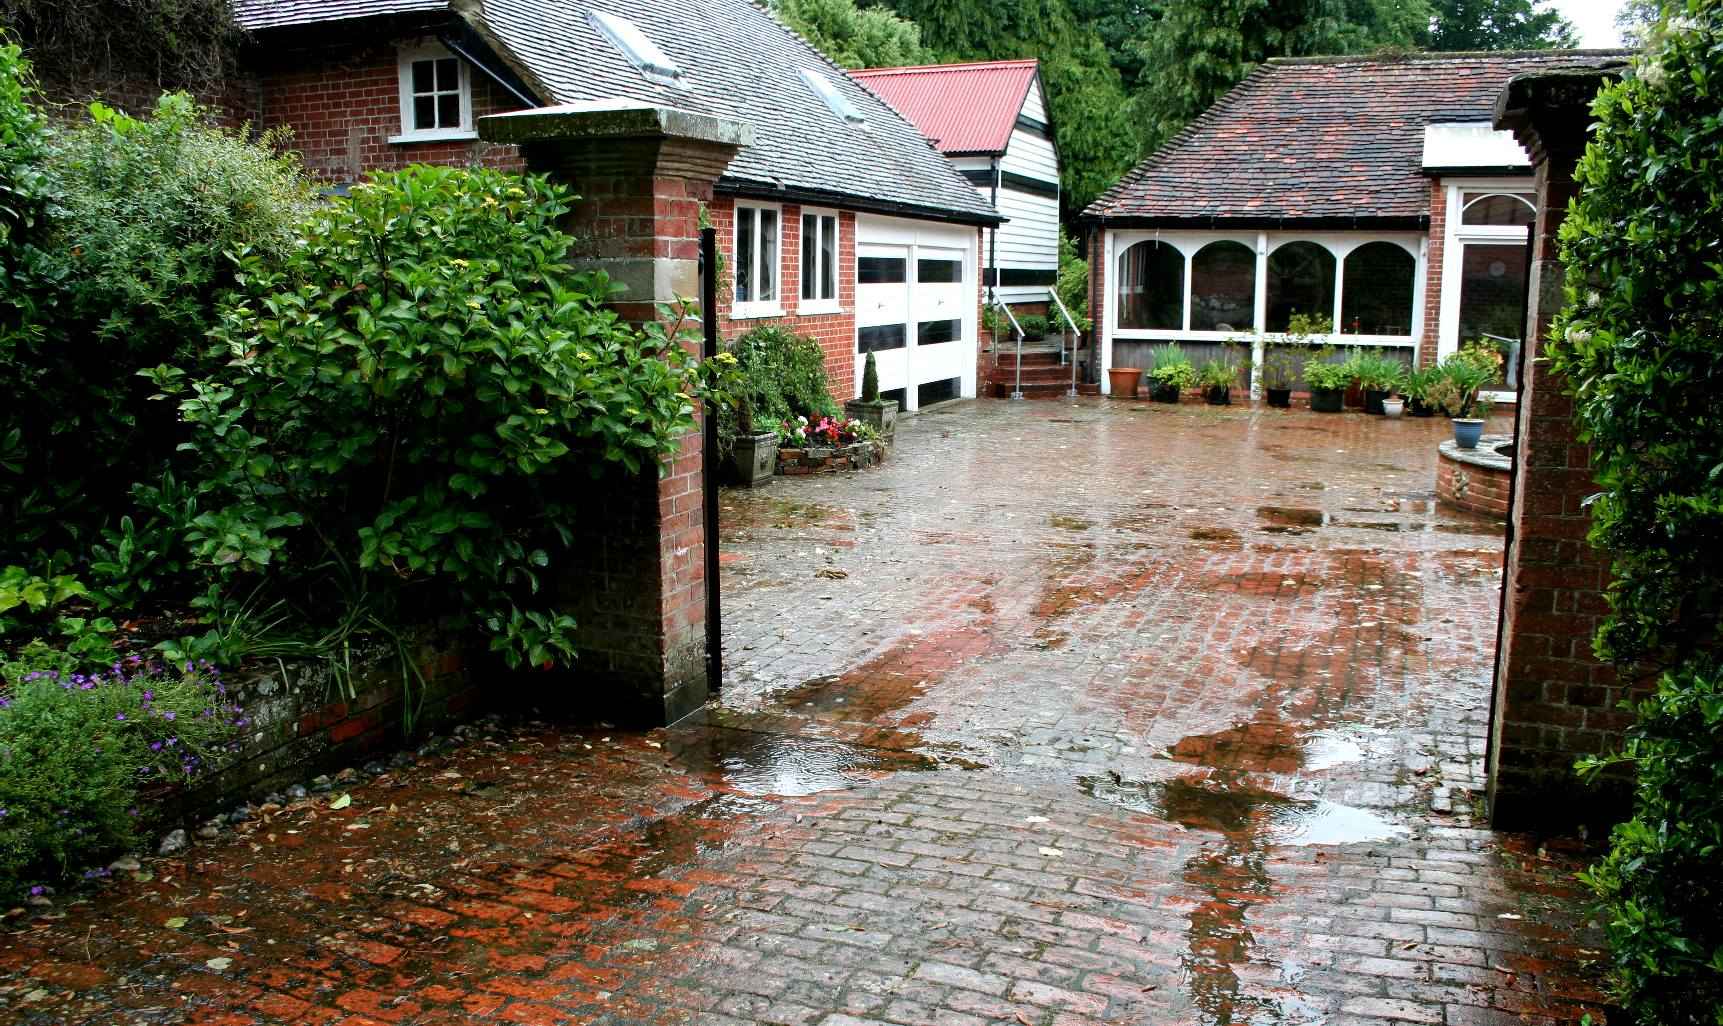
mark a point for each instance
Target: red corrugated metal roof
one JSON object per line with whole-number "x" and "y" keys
{"x": 963, "y": 108}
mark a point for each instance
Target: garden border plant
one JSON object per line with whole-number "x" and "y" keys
{"x": 1640, "y": 343}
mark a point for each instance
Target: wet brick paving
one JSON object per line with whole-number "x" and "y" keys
{"x": 1070, "y": 713}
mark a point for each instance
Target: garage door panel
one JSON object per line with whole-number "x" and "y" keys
{"x": 915, "y": 281}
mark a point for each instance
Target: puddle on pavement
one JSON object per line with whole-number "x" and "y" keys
{"x": 1290, "y": 519}
{"x": 1227, "y": 805}
{"x": 1271, "y": 746}
{"x": 759, "y": 763}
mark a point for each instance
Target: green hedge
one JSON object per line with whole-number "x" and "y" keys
{"x": 1641, "y": 343}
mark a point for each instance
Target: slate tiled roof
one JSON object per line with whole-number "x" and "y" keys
{"x": 963, "y": 108}
{"x": 741, "y": 63}
{"x": 267, "y": 14}
{"x": 1321, "y": 139}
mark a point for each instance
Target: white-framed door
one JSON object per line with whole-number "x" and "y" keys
{"x": 916, "y": 305}
{"x": 1484, "y": 269}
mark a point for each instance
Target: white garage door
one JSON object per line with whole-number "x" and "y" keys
{"x": 915, "y": 308}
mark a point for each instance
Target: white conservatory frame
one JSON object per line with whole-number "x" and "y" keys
{"x": 1263, "y": 243}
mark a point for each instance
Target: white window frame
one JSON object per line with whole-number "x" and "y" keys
{"x": 1454, "y": 242}
{"x": 773, "y": 307}
{"x": 406, "y": 57}
{"x": 828, "y": 304}
{"x": 1189, "y": 243}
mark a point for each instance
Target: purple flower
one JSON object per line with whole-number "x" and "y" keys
{"x": 119, "y": 716}
{"x": 170, "y": 714}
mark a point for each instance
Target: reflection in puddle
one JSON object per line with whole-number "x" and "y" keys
{"x": 758, "y": 763}
{"x": 1270, "y": 746}
{"x": 1233, "y": 877}
{"x": 1236, "y": 809}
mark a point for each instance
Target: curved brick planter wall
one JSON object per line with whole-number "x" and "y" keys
{"x": 820, "y": 461}
{"x": 1477, "y": 480}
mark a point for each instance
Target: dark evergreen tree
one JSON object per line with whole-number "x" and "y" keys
{"x": 1497, "y": 25}
{"x": 1202, "y": 48}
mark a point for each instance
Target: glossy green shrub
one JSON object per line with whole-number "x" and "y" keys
{"x": 121, "y": 271}
{"x": 780, "y": 376}
{"x": 1641, "y": 345}
{"x": 413, "y": 399}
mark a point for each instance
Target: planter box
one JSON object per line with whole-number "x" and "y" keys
{"x": 754, "y": 459}
{"x": 881, "y": 415}
{"x": 855, "y": 456}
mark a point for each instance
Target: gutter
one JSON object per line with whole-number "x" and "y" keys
{"x": 1354, "y": 222}
{"x": 816, "y": 197}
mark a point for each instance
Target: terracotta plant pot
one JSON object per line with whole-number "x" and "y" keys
{"x": 1124, "y": 381}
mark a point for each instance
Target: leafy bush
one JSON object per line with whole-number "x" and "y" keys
{"x": 75, "y": 750}
{"x": 1641, "y": 345}
{"x": 1220, "y": 372}
{"x": 1034, "y": 325}
{"x": 1169, "y": 367}
{"x": 122, "y": 275}
{"x": 1072, "y": 283}
{"x": 1377, "y": 372}
{"x": 24, "y": 198}
{"x": 1322, "y": 374}
{"x": 1454, "y": 383}
{"x": 414, "y": 396}
{"x": 779, "y": 375}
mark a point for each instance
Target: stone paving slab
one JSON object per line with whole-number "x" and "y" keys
{"x": 1070, "y": 713}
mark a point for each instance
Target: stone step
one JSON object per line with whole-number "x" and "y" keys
{"x": 1033, "y": 389}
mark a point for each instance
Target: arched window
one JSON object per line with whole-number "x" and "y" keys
{"x": 1300, "y": 281}
{"x": 1498, "y": 208}
{"x": 1376, "y": 291}
{"x": 1152, "y": 287}
{"x": 1223, "y": 288}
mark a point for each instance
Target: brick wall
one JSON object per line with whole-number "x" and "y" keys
{"x": 342, "y": 102}
{"x": 1429, "y": 337}
{"x": 1474, "y": 488}
{"x": 297, "y": 731}
{"x": 835, "y": 332}
{"x": 1554, "y": 700}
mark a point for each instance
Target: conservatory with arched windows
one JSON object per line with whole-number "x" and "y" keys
{"x": 1368, "y": 197}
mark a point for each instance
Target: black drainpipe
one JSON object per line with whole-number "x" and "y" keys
{"x": 993, "y": 241}
{"x": 709, "y": 463}
{"x": 1528, "y": 331}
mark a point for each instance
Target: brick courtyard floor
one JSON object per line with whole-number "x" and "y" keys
{"x": 1071, "y": 713}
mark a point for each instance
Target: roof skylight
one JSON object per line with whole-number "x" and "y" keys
{"x": 642, "y": 52}
{"x": 825, "y": 90}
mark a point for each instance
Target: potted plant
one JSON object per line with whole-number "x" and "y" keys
{"x": 1277, "y": 374}
{"x": 754, "y": 455}
{"x": 1327, "y": 381}
{"x": 1216, "y": 377}
{"x": 870, "y": 409}
{"x": 1456, "y": 387}
{"x": 1124, "y": 381}
{"x": 1416, "y": 390}
{"x": 1172, "y": 372}
{"x": 1354, "y": 388}
{"x": 1379, "y": 375}
{"x": 1393, "y": 407}
{"x": 1034, "y": 327}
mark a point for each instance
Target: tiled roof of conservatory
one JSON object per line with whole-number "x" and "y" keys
{"x": 1325, "y": 139}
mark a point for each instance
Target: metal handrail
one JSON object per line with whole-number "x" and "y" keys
{"x": 1016, "y": 329}
{"x": 1075, "y": 332}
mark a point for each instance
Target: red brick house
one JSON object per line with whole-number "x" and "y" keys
{"x": 1370, "y": 190}
{"x": 838, "y": 220}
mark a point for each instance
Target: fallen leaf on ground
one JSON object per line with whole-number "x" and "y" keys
{"x": 341, "y": 802}
{"x": 176, "y": 922}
